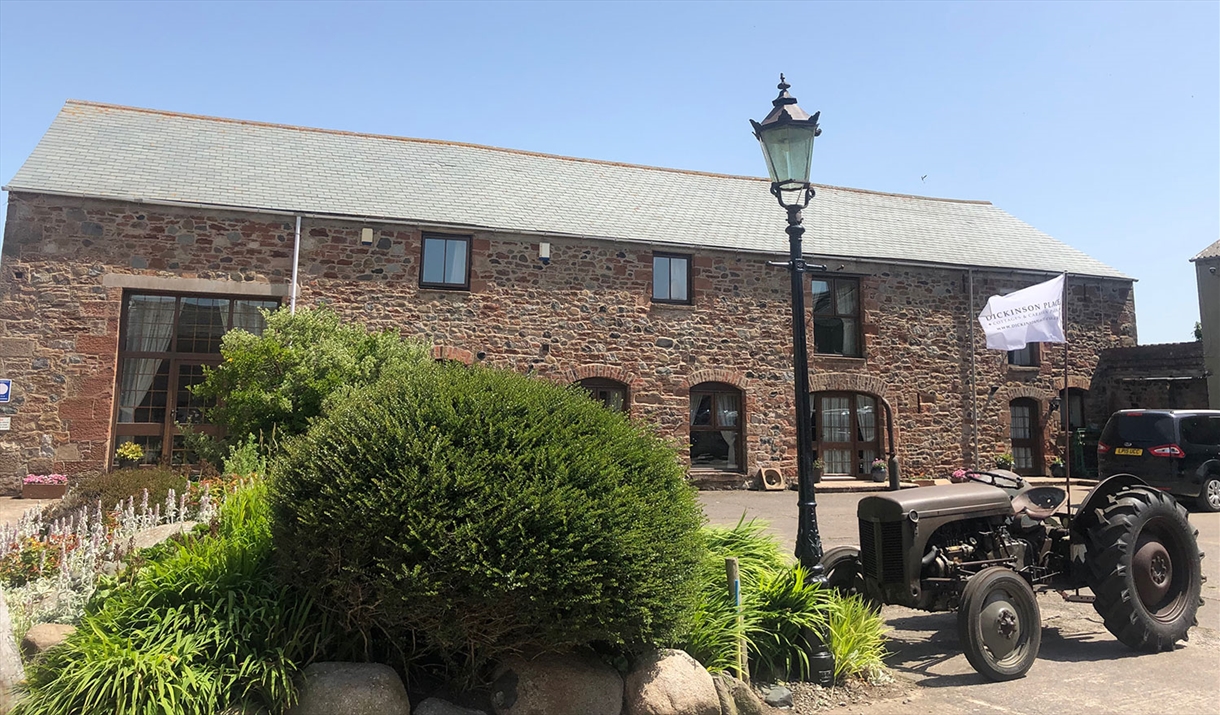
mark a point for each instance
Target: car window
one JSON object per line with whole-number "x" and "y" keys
{"x": 1201, "y": 430}
{"x": 1139, "y": 429}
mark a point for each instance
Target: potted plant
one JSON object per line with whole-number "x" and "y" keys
{"x": 44, "y": 486}
{"x": 879, "y": 470}
{"x": 1058, "y": 469}
{"x": 129, "y": 454}
{"x": 1004, "y": 460}
{"x": 818, "y": 466}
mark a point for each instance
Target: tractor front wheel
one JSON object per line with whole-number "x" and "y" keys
{"x": 999, "y": 624}
{"x": 1143, "y": 567}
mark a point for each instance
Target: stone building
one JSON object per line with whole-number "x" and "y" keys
{"x": 1207, "y": 275}
{"x": 135, "y": 238}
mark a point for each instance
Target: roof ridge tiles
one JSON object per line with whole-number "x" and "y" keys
{"x": 487, "y": 147}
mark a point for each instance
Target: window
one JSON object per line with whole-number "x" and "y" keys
{"x": 611, "y": 393}
{"x": 1026, "y": 435}
{"x": 845, "y": 433}
{"x": 446, "y": 262}
{"x": 1201, "y": 430}
{"x": 715, "y": 427}
{"x": 1075, "y": 408}
{"x": 836, "y": 317}
{"x": 166, "y": 341}
{"x": 1025, "y": 357}
{"x": 670, "y": 278}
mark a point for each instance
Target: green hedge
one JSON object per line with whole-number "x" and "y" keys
{"x": 477, "y": 513}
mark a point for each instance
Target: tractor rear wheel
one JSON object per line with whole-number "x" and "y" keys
{"x": 999, "y": 623}
{"x": 1143, "y": 567}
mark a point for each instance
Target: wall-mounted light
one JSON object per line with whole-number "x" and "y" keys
{"x": 366, "y": 236}
{"x": 544, "y": 253}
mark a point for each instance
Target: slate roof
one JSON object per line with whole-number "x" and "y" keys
{"x": 1210, "y": 253}
{"x": 123, "y": 153}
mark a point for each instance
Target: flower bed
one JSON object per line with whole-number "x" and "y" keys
{"x": 44, "y": 486}
{"x": 48, "y": 570}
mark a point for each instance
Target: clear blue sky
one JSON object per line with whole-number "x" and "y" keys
{"x": 1098, "y": 123}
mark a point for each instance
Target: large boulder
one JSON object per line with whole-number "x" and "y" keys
{"x": 351, "y": 689}
{"x": 670, "y": 682}
{"x": 572, "y": 684}
{"x": 43, "y": 637}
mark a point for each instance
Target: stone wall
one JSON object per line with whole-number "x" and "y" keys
{"x": 1165, "y": 376}
{"x": 66, "y": 263}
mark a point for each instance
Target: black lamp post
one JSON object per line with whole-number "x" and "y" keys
{"x": 787, "y": 136}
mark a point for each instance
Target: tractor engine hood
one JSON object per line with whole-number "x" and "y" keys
{"x": 969, "y": 499}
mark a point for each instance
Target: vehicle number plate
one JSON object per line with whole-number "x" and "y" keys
{"x": 1129, "y": 451}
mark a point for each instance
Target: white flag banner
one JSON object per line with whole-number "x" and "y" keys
{"x": 1030, "y": 315}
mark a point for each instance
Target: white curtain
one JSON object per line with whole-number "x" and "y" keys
{"x": 150, "y": 323}
{"x": 726, "y": 413}
{"x": 246, "y": 316}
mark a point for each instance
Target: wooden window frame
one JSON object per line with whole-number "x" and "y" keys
{"x": 167, "y": 428}
{"x": 1035, "y": 356}
{"x": 713, "y": 389}
{"x": 1034, "y": 441}
{"x": 690, "y": 288}
{"x": 856, "y": 317}
{"x": 855, "y": 444}
{"x": 423, "y": 250}
{"x": 593, "y": 385}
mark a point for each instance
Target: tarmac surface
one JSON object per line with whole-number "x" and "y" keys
{"x": 1081, "y": 668}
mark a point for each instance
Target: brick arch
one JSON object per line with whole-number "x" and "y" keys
{"x": 847, "y": 382}
{"x": 448, "y": 352}
{"x": 608, "y": 372}
{"x": 729, "y": 377}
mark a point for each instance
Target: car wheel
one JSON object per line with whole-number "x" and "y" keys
{"x": 999, "y": 624}
{"x": 1143, "y": 567}
{"x": 1209, "y": 497}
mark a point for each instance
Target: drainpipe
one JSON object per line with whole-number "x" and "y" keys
{"x": 296, "y": 259}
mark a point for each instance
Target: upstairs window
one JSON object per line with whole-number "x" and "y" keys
{"x": 446, "y": 262}
{"x": 836, "y": 317}
{"x": 670, "y": 278}
{"x": 1025, "y": 357}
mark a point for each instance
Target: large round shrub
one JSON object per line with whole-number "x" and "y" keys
{"x": 479, "y": 512}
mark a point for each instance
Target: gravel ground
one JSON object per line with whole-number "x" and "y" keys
{"x": 810, "y": 698}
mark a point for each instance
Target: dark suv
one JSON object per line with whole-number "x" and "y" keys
{"x": 1174, "y": 450}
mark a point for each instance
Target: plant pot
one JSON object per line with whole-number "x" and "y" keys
{"x": 1058, "y": 470}
{"x": 878, "y": 475}
{"x": 816, "y": 474}
{"x": 43, "y": 491}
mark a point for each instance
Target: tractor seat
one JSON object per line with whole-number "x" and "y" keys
{"x": 1039, "y": 502}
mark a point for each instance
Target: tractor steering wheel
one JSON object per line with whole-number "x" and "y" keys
{"x": 995, "y": 479}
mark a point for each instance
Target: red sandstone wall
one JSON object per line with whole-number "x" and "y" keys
{"x": 586, "y": 314}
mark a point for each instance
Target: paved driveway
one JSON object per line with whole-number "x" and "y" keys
{"x": 1081, "y": 668}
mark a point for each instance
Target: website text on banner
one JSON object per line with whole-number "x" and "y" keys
{"x": 1030, "y": 315}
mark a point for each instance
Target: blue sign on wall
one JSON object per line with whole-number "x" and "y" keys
{"x": 6, "y": 389}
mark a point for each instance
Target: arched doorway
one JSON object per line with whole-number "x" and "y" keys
{"x": 611, "y": 393}
{"x": 716, "y": 419}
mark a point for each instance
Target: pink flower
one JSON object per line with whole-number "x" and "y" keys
{"x": 959, "y": 475}
{"x": 45, "y": 479}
